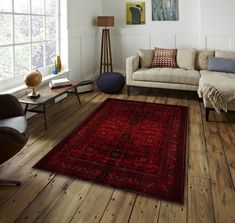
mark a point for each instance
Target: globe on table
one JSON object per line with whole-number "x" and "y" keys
{"x": 32, "y": 81}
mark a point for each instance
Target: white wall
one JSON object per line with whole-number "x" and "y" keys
{"x": 218, "y": 24}
{"x": 202, "y": 24}
{"x": 126, "y": 39}
{"x": 82, "y": 53}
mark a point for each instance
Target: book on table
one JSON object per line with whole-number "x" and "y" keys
{"x": 60, "y": 83}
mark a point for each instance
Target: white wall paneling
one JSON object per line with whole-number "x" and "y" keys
{"x": 199, "y": 26}
{"x": 82, "y": 46}
{"x": 88, "y": 56}
{"x": 217, "y": 24}
{"x": 75, "y": 58}
{"x": 136, "y": 41}
{"x": 185, "y": 41}
{"x": 82, "y": 56}
{"x": 118, "y": 50}
{"x": 127, "y": 39}
{"x": 162, "y": 40}
{"x": 218, "y": 42}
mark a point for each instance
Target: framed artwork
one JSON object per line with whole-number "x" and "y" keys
{"x": 165, "y": 10}
{"x": 135, "y": 13}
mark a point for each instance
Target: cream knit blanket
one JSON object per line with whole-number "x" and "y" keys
{"x": 218, "y": 88}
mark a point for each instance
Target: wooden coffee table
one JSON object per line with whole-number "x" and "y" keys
{"x": 47, "y": 94}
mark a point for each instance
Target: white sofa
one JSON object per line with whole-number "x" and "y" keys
{"x": 169, "y": 78}
{"x": 139, "y": 72}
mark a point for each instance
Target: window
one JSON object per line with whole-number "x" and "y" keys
{"x": 29, "y": 36}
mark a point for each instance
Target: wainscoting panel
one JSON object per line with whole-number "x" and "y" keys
{"x": 135, "y": 42}
{"x": 88, "y": 55}
{"x": 162, "y": 41}
{"x": 185, "y": 41}
{"x": 218, "y": 42}
{"x": 82, "y": 53}
{"x": 74, "y": 58}
{"x": 118, "y": 51}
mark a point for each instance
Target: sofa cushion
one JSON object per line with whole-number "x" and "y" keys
{"x": 221, "y": 64}
{"x": 201, "y": 62}
{"x": 225, "y": 54}
{"x": 170, "y": 75}
{"x": 207, "y": 72}
{"x": 164, "y": 58}
{"x": 186, "y": 58}
{"x": 146, "y": 58}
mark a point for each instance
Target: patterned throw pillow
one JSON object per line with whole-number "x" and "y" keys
{"x": 164, "y": 58}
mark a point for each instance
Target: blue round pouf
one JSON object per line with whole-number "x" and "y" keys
{"x": 110, "y": 82}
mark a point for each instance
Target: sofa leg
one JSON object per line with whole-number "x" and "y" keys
{"x": 207, "y": 114}
{"x": 9, "y": 183}
{"x": 128, "y": 90}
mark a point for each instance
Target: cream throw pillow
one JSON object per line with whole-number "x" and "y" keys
{"x": 201, "y": 62}
{"x": 186, "y": 58}
{"x": 146, "y": 58}
{"x": 225, "y": 54}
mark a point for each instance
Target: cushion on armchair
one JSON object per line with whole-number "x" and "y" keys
{"x": 18, "y": 123}
{"x": 13, "y": 127}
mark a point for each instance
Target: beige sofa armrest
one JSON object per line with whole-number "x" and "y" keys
{"x": 132, "y": 64}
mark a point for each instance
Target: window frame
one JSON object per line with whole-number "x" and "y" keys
{"x": 17, "y": 80}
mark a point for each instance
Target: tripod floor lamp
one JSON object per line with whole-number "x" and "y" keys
{"x": 106, "y": 55}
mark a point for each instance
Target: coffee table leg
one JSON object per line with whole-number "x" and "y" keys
{"x": 76, "y": 92}
{"x": 45, "y": 118}
{"x": 26, "y": 108}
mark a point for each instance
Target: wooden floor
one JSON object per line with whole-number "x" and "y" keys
{"x": 48, "y": 197}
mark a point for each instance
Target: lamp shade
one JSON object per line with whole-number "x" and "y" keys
{"x": 105, "y": 20}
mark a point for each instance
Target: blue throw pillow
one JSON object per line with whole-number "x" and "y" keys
{"x": 221, "y": 64}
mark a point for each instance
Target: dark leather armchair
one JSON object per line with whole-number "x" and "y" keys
{"x": 13, "y": 130}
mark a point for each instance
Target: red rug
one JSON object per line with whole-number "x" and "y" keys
{"x": 132, "y": 145}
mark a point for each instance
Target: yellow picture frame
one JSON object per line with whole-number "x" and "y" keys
{"x": 135, "y": 13}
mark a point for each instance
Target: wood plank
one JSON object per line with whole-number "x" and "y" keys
{"x": 69, "y": 202}
{"x": 200, "y": 201}
{"x": 162, "y": 96}
{"x": 222, "y": 186}
{"x": 119, "y": 207}
{"x": 194, "y": 109}
{"x": 170, "y": 212}
{"x": 145, "y": 210}
{"x": 198, "y": 163}
{"x": 92, "y": 208}
{"x": 41, "y": 206}
{"x": 151, "y": 99}
{"x": 12, "y": 208}
{"x": 227, "y": 133}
